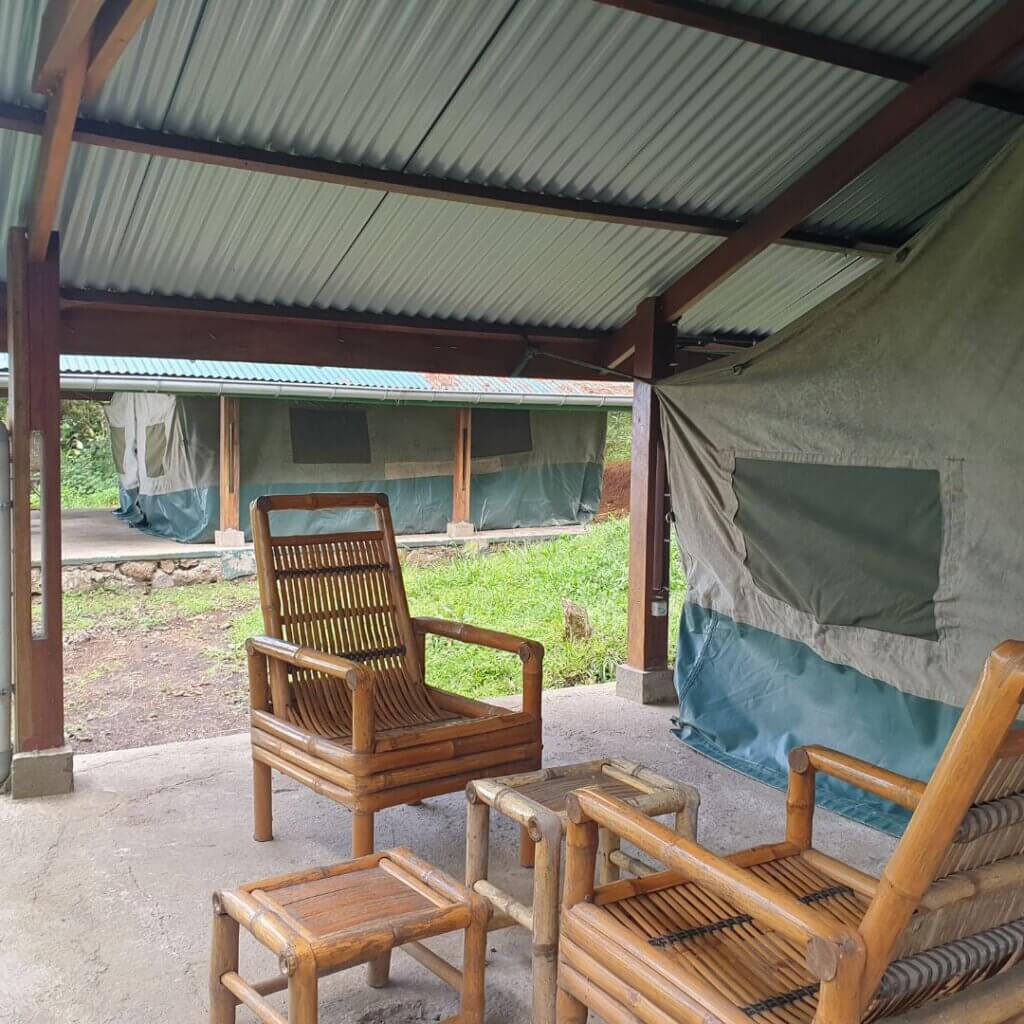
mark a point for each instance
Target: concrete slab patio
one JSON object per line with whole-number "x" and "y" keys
{"x": 105, "y": 898}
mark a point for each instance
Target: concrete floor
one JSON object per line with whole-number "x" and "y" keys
{"x": 105, "y": 899}
{"x": 96, "y": 535}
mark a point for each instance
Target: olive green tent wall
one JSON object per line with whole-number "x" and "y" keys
{"x": 848, "y": 499}
{"x": 531, "y": 467}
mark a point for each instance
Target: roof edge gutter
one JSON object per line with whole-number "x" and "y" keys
{"x": 324, "y": 392}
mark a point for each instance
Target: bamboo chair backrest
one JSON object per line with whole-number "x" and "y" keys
{"x": 341, "y": 593}
{"x": 970, "y": 816}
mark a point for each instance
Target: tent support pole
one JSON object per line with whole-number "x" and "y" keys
{"x": 229, "y": 535}
{"x": 42, "y": 763}
{"x": 645, "y": 677}
{"x": 462, "y": 524}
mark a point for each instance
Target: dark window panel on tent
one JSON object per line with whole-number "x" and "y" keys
{"x": 117, "y": 447}
{"x": 323, "y": 435}
{"x": 850, "y": 545}
{"x": 156, "y": 449}
{"x": 500, "y": 432}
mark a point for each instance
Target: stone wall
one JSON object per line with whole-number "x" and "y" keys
{"x": 149, "y": 575}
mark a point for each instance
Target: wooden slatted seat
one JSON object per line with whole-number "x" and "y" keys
{"x": 339, "y": 700}
{"x": 784, "y": 934}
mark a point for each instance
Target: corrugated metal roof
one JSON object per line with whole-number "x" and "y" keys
{"x": 562, "y": 96}
{"x": 524, "y": 388}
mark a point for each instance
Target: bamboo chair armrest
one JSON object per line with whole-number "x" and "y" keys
{"x": 530, "y": 652}
{"x": 355, "y": 677}
{"x": 762, "y": 901}
{"x": 348, "y": 671}
{"x": 468, "y": 634}
{"x": 900, "y": 789}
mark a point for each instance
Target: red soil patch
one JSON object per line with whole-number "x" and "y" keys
{"x": 615, "y": 494}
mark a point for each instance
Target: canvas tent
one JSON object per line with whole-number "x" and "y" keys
{"x": 531, "y": 467}
{"x": 849, "y": 498}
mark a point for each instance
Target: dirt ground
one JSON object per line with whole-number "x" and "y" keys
{"x": 615, "y": 494}
{"x": 178, "y": 681}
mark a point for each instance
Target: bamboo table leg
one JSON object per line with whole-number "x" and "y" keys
{"x": 223, "y": 958}
{"x": 545, "y": 918}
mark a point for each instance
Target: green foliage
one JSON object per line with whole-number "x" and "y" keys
{"x": 619, "y": 445}
{"x": 88, "y": 477}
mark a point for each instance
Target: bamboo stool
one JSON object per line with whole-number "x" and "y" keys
{"x": 537, "y": 801}
{"x": 328, "y": 919}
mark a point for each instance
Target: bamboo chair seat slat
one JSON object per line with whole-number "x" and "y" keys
{"x": 765, "y": 974}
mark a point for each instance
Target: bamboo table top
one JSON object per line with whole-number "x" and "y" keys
{"x": 519, "y": 796}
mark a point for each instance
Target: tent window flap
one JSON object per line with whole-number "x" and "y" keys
{"x": 323, "y": 435}
{"x": 851, "y": 545}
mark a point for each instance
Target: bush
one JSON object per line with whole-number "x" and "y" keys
{"x": 619, "y": 444}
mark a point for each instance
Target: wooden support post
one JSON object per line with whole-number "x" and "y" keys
{"x": 646, "y": 677}
{"x": 33, "y": 323}
{"x": 229, "y": 535}
{"x": 462, "y": 524}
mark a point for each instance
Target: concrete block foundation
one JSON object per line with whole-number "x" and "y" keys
{"x": 42, "y": 773}
{"x": 645, "y": 686}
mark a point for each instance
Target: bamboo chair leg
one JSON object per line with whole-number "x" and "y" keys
{"x": 379, "y": 970}
{"x": 526, "y": 851}
{"x": 607, "y": 843}
{"x": 262, "y": 803}
{"x": 223, "y": 958}
{"x": 474, "y": 962}
{"x": 302, "y": 994}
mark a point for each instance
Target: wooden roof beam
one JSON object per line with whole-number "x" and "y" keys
{"x": 54, "y": 153}
{"x": 116, "y": 25}
{"x": 991, "y": 41}
{"x": 63, "y": 32}
{"x": 75, "y": 54}
{"x": 98, "y": 331}
{"x": 248, "y": 158}
{"x": 763, "y": 32}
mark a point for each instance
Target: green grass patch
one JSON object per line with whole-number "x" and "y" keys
{"x": 125, "y": 609}
{"x": 518, "y": 589}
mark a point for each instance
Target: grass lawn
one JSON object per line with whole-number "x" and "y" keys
{"x": 516, "y": 589}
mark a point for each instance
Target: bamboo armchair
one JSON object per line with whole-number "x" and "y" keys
{"x": 338, "y": 696}
{"x": 783, "y": 934}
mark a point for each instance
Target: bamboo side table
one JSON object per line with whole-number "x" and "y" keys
{"x": 328, "y": 919}
{"x": 536, "y": 801}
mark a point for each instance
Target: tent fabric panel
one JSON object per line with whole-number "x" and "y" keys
{"x": 918, "y": 366}
{"x": 748, "y": 697}
{"x": 851, "y": 545}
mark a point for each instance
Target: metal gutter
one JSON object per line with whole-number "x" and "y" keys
{"x": 324, "y": 392}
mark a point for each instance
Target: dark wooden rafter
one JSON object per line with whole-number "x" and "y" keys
{"x": 75, "y": 52}
{"x": 105, "y": 323}
{"x": 55, "y": 152}
{"x": 990, "y": 42}
{"x": 64, "y": 31}
{"x": 764, "y": 32}
{"x": 116, "y": 25}
{"x": 90, "y": 132}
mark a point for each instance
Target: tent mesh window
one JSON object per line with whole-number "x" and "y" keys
{"x": 323, "y": 434}
{"x": 117, "y": 448}
{"x": 156, "y": 449}
{"x": 500, "y": 432}
{"x": 850, "y": 545}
